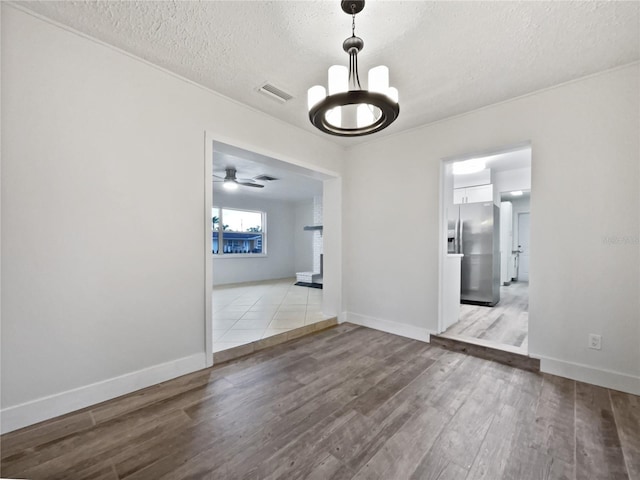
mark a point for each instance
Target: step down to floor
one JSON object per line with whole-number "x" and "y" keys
{"x": 506, "y": 354}
{"x": 249, "y": 348}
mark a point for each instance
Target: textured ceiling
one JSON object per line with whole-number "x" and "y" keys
{"x": 445, "y": 58}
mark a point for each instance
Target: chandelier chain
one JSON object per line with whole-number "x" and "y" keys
{"x": 353, "y": 21}
{"x": 354, "y": 78}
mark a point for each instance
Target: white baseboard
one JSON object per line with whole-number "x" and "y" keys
{"x": 389, "y": 326}
{"x": 18, "y": 416}
{"x": 595, "y": 376}
{"x": 342, "y": 317}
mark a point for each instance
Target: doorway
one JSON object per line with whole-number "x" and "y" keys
{"x": 485, "y": 260}
{"x": 251, "y": 246}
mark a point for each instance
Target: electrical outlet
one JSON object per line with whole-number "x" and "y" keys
{"x": 595, "y": 341}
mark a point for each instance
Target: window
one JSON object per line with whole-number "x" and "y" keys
{"x": 237, "y": 232}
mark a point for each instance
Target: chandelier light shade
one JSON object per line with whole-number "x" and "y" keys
{"x": 345, "y": 108}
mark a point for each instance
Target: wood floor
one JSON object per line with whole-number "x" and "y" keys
{"x": 505, "y": 324}
{"x": 348, "y": 402}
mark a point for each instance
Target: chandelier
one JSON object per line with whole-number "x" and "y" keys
{"x": 350, "y": 110}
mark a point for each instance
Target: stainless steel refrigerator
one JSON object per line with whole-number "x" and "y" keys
{"x": 474, "y": 230}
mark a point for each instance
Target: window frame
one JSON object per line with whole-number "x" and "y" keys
{"x": 220, "y": 230}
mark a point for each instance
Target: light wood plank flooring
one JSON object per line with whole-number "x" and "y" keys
{"x": 505, "y": 324}
{"x": 348, "y": 402}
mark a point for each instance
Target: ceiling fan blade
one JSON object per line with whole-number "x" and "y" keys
{"x": 246, "y": 180}
{"x": 255, "y": 185}
{"x": 218, "y": 176}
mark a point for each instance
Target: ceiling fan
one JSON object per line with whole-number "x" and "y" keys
{"x": 231, "y": 182}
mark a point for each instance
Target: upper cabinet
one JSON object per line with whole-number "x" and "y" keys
{"x": 473, "y": 187}
{"x": 459, "y": 195}
{"x": 479, "y": 193}
{"x": 483, "y": 177}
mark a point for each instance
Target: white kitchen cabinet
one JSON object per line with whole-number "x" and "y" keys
{"x": 480, "y": 193}
{"x": 459, "y": 195}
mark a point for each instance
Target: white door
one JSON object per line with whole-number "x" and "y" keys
{"x": 506, "y": 242}
{"x": 523, "y": 246}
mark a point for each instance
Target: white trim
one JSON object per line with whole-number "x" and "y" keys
{"x": 52, "y": 406}
{"x": 585, "y": 373}
{"x": 343, "y": 317}
{"x": 389, "y": 326}
{"x": 442, "y": 246}
{"x": 208, "y": 264}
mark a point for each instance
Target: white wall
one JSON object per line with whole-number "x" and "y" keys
{"x": 585, "y": 178}
{"x": 510, "y": 180}
{"x": 333, "y": 293}
{"x": 303, "y": 239}
{"x": 279, "y": 261}
{"x": 103, "y": 194}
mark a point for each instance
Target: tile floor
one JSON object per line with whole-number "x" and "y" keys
{"x": 246, "y": 312}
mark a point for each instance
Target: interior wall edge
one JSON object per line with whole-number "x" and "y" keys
{"x": 45, "y": 408}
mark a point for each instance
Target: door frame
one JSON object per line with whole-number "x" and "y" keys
{"x": 332, "y": 196}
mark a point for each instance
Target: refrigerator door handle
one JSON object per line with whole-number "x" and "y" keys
{"x": 460, "y": 236}
{"x": 455, "y": 237}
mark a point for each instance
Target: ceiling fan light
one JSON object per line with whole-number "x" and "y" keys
{"x": 230, "y": 185}
{"x": 338, "y": 79}
{"x": 379, "y": 79}
{"x": 315, "y": 95}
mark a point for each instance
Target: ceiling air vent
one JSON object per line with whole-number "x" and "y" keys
{"x": 275, "y": 93}
{"x": 265, "y": 178}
